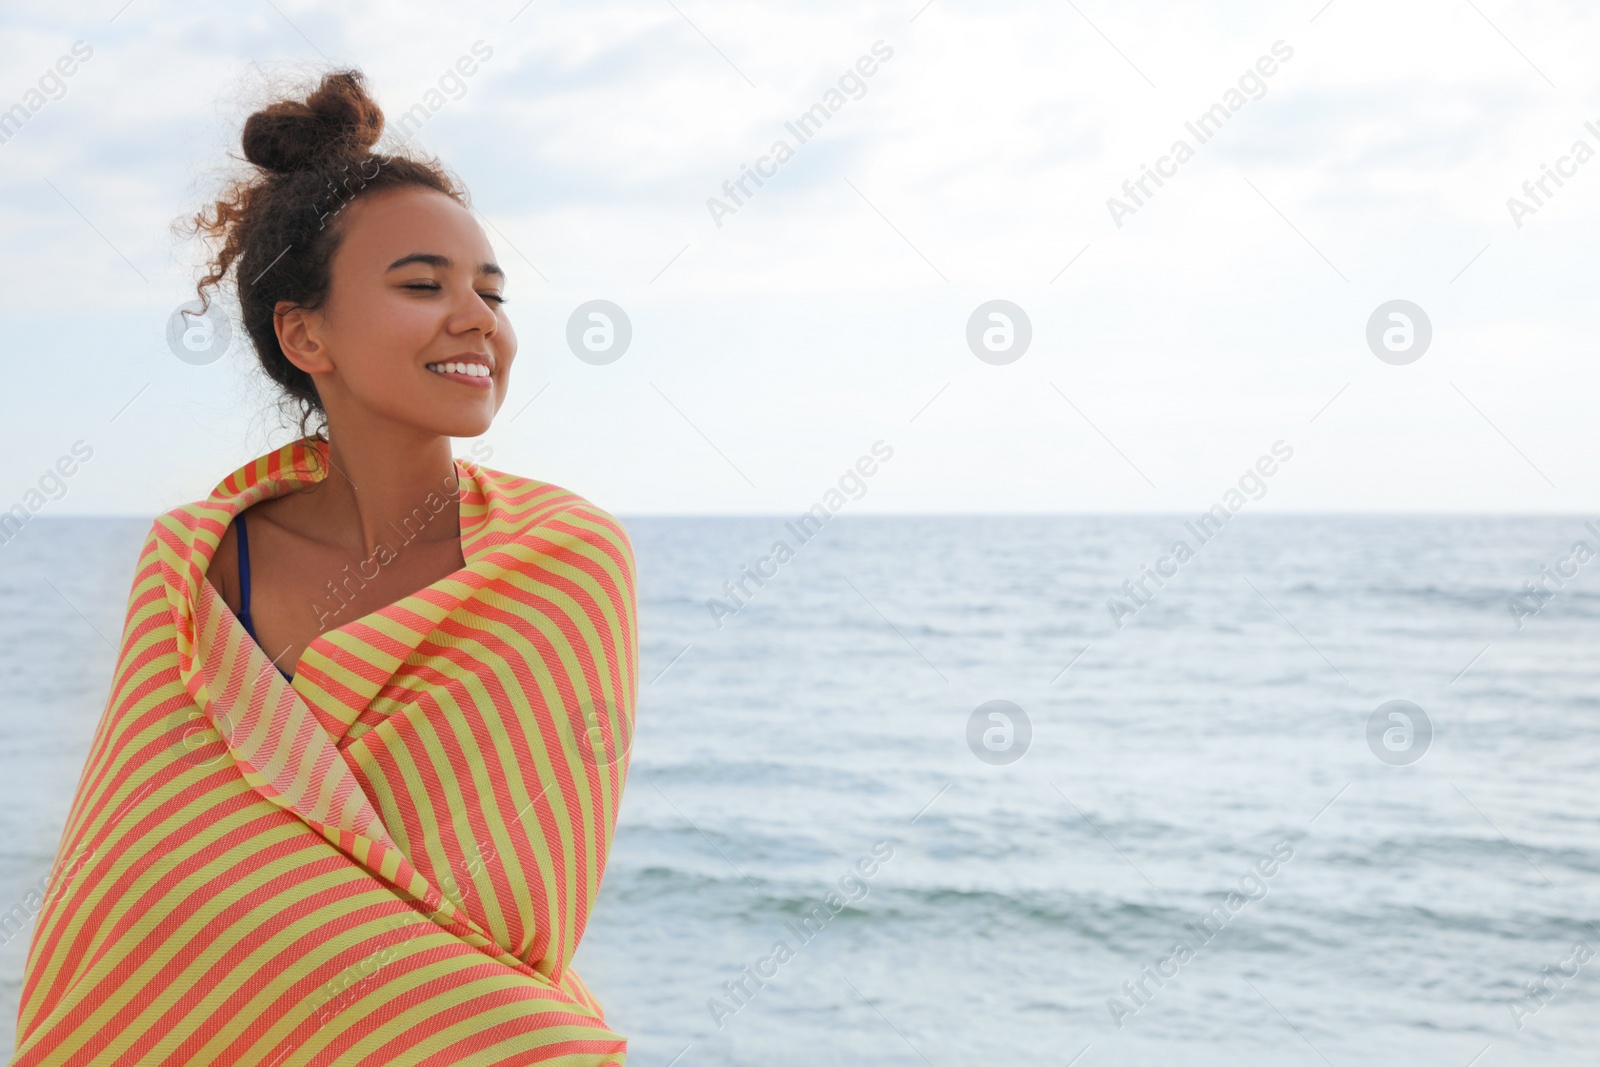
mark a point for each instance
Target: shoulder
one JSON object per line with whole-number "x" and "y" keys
{"x": 196, "y": 536}
{"x": 224, "y": 566}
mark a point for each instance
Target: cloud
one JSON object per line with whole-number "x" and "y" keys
{"x": 832, "y": 306}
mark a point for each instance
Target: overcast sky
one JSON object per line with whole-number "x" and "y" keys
{"x": 774, "y": 343}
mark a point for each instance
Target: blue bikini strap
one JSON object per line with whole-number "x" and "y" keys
{"x": 244, "y": 574}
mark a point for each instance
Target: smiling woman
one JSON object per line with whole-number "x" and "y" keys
{"x": 416, "y": 806}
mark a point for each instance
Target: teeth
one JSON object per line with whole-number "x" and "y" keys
{"x": 471, "y": 370}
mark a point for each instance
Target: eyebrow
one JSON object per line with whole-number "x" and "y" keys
{"x": 433, "y": 259}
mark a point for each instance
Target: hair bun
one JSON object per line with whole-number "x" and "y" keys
{"x": 337, "y": 120}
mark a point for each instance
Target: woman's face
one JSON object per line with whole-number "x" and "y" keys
{"x": 415, "y": 296}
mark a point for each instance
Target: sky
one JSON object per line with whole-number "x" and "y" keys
{"x": 1175, "y": 334}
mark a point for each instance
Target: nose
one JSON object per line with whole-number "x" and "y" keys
{"x": 474, "y": 313}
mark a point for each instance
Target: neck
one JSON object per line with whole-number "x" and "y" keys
{"x": 384, "y": 486}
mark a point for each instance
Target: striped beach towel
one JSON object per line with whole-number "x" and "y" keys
{"x": 388, "y": 860}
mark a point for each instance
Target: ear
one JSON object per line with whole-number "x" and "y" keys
{"x": 299, "y": 333}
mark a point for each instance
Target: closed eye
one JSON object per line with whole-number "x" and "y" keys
{"x": 434, "y": 287}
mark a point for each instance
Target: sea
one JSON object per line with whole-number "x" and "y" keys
{"x": 947, "y": 790}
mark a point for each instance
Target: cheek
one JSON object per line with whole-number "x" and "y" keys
{"x": 380, "y": 339}
{"x": 504, "y": 345}
{"x": 406, "y": 327}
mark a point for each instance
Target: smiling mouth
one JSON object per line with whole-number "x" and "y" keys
{"x": 476, "y": 374}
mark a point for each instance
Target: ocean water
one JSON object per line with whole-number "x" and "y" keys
{"x": 1200, "y": 775}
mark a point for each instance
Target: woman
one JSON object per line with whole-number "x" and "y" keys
{"x": 353, "y": 791}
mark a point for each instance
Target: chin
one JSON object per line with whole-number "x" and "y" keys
{"x": 466, "y": 421}
{"x": 434, "y": 411}
{"x": 466, "y": 426}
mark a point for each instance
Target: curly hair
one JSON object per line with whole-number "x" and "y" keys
{"x": 278, "y": 227}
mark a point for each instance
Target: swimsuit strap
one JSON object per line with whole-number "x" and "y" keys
{"x": 244, "y": 575}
